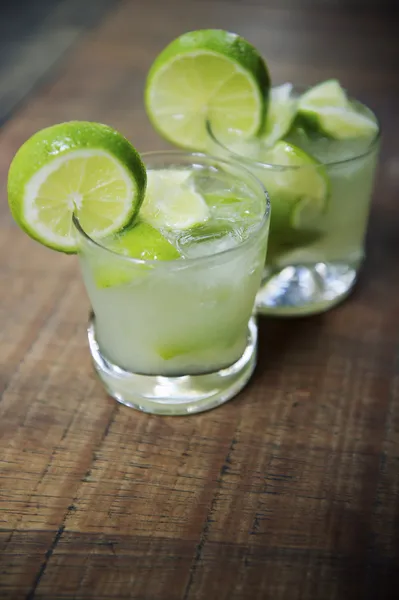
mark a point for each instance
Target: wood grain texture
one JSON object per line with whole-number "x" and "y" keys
{"x": 289, "y": 492}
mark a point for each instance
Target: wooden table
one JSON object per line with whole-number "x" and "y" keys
{"x": 289, "y": 492}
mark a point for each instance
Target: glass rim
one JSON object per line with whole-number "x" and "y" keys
{"x": 198, "y": 259}
{"x": 236, "y": 156}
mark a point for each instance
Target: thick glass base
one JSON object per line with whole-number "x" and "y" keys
{"x": 182, "y": 395}
{"x": 300, "y": 290}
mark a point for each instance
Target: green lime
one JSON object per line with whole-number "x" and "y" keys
{"x": 280, "y": 114}
{"x": 298, "y": 186}
{"x": 142, "y": 241}
{"x": 203, "y": 75}
{"x": 171, "y": 200}
{"x": 327, "y": 108}
{"x": 77, "y": 167}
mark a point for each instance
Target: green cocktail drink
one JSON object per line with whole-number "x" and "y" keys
{"x": 175, "y": 336}
{"x": 320, "y": 188}
{"x": 315, "y": 151}
{"x": 171, "y": 247}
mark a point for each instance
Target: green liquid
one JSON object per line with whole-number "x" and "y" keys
{"x": 189, "y": 315}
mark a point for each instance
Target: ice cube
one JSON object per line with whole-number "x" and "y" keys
{"x": 207, "y": 240}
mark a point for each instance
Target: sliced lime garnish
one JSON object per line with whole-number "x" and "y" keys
{"x": 298, "y": 186}
{"x": 280, "y": 114}
{"x": 76, "y": 167}
{"x": 171, "y": 200}
{"x": 327, "y": 108}
{"x": 207, "y": 74}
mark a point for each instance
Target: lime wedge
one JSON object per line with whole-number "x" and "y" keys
{"x": 298, "y": 186}
{"x": 76, "y": 167}
{"x": 171, "y": 201}
{"x": 140, "y": 241}
{"x": 327, "y": 93}
{"x": 342, "y": 123}
{"x": 205, "y": 75}
{"x": 144, "y": 242}
{"x": 280, "y": 114}
{"x": 327, "y": 108}
{"x": 306, "y": 213}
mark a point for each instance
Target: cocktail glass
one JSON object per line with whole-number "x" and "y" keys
{"x": 178, "y": 337}
{"x": 310, "y": 269}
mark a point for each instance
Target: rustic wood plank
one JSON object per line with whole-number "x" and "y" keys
{"x": 288, "y": 492}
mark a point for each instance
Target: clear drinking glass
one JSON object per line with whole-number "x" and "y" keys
{"x": 177, "y": 337}
{"x": 309, "y": 270}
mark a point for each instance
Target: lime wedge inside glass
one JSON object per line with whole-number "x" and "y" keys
{"x": 327, "y": 108}
{"x": 298, "y": 186}
{"x": 280, "y": 114}
{"x": 142, "y": 241}
{"x": 342, "y": 123}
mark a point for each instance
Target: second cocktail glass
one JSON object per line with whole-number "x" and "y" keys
{"x": 315, "y": 252}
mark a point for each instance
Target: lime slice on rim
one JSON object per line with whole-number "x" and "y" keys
{"x": 75, "y": 167}
{"x": 298, "y": 186}
{"x": 171, "y": 200}
{"x": 327, "y": 108}
{"x": 203, "y": 75}
{"x": 280, "y": 114}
